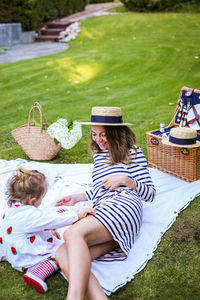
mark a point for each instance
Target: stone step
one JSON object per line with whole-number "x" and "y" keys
{"x": 52, "y": 32}
{"x": 47, "y": 38}
{"x": 66, "y": 21}
{"x": 56, "y": 25}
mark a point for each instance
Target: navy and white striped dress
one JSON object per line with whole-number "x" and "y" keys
{"x": 120, "y": 210}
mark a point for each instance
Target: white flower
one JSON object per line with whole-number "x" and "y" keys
{"x": 68, "y": 137}
{"x": 61, "y": 133}
{"x": 62, "y": 122}
{"x": 52, "y": 128}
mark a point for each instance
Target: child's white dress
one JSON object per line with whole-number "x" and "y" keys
{"x": 25, "y": 235}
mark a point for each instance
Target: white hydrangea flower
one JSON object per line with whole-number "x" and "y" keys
{"x": 52, "y": 128}
{"x": 62, "y": 122}
{"x": 61, "y": 133}
{"x": 67, "y": 137}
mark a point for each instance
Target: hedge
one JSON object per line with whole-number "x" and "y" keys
{"x": 157, "y": 5}
{"x": 100, "y": 1}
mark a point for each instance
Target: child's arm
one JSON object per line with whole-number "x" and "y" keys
{"x": 71, "y": 199}
{"x": 53, "y": 217}
{"x": 49, "y": 218}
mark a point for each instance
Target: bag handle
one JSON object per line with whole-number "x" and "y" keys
{"x": 43, "y": 121}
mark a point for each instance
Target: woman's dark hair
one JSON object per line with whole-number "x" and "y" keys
{"x": 25, "y": 185}
{"x": 120, "y": 140}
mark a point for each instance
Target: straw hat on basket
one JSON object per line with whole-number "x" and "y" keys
{"x": 182, "y": 137}
{"x": 106, "y": 116}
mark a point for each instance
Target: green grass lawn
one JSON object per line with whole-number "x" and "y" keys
{"x": 138, "y": 62}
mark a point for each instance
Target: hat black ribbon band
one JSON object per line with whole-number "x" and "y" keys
{"x": 182, "y": 141}
{"x": 106, "y": 119}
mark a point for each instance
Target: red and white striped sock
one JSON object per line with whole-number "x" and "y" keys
{"x": 36, "y": 276}
{"x": 45, "y": 269}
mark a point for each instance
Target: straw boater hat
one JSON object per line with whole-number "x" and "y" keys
{"x": 182, "y": 137}
{"x": 110, "y": 116}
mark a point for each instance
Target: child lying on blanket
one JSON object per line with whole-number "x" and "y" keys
{"x": 28, "y": 241}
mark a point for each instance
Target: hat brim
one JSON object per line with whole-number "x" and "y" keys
{"x": 105, "y": 124}
{"x": 166, "y": 141}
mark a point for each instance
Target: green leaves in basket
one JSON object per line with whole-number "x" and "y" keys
{"x": 45, "y": 127}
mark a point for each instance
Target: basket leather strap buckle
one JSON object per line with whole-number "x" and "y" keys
{"x": 154, "y": 141}
{"x": 184, "y": 151}
{"x": 189, "y": 92}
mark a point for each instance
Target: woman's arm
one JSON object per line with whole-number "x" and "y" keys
{"x": 145, "y": 190}
{"x": 140, "y": 173}
{"x": 114, "y": 181}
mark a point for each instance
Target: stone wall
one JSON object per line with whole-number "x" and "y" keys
{"x": 10, "y": 34}
{"x": 28, "y": 37}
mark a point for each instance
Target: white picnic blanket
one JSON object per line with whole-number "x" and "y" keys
{"x": 173, "y": 195}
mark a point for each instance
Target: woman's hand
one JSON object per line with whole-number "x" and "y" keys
{"x": 71, "y": 199}
{"x": 114, "y": 181}
{"x": 86, "y": 211}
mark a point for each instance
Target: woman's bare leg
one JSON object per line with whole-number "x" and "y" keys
{"x": 94, "y": 290}
{"x": 83, "y": 234}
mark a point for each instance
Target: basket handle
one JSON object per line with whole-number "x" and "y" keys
{"x": 43, "y": 121}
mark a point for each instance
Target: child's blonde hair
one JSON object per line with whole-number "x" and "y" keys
{"x": 26, "y": 185}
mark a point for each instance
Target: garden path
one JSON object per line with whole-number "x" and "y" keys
{"x": 33, "y": 50}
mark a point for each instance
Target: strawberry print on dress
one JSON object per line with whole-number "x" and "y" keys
{"x": 51, "y": 258}
{"x": 24, "y": 270}
{"x": 9, "y": 230}
{"x": 32, "y": 239}
{"x": 14, "y": 251}
{"x": 50, "y": 240}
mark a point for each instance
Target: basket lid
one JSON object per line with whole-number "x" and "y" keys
{"x": 193, "y": 118}
{"x": 188, "y": 98}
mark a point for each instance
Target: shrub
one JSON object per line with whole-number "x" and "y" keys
{"x": 156, "y": 5}
{"x": 100, "y": 1}
{"x": 33, "y": 14}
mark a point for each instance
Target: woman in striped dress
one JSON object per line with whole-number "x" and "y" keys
{"x": 120, "y": 181}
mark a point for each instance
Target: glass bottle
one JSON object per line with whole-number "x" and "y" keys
{"x": 162, "y": 128}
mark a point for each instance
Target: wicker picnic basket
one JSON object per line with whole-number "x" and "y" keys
{"x": 35, "y": 141}
{"x": 183, "y": 163}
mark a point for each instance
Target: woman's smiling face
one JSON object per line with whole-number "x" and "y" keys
{"x": 99, "y": 136}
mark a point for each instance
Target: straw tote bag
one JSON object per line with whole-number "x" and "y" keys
{"x": 35, "y": 141}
